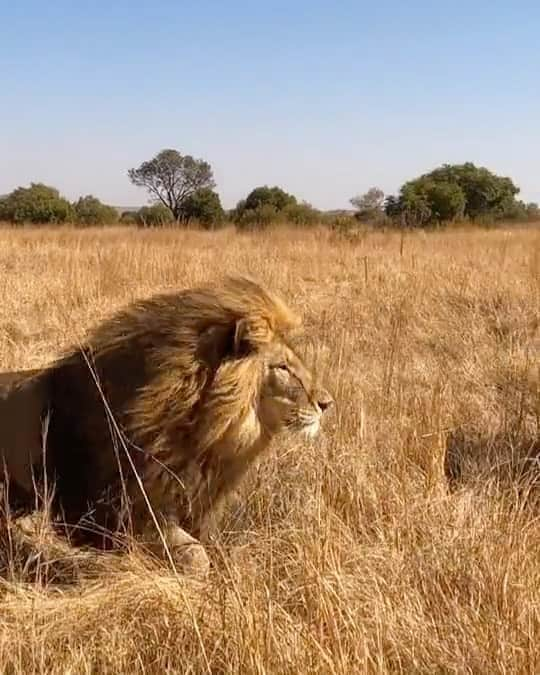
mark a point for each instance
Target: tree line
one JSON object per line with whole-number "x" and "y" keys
{"x": 182, "y": 191}
{"x": 450, "y": 193}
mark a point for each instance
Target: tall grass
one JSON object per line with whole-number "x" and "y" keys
{"x": 405, "y": 539}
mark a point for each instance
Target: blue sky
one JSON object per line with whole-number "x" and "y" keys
{"x": 323, "y": 99}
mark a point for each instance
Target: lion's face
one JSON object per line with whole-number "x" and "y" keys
{"x": 289, "y": 398}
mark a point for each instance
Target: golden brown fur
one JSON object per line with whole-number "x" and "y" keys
{"x": 166, "y": 405}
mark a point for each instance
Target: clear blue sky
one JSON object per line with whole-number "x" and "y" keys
{"x": 323, "y": 99}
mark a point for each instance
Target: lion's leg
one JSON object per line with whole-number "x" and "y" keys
{"x": 208, "y": 523}
{"x": 172, "y": 541}
{"x": 209, "y": 506}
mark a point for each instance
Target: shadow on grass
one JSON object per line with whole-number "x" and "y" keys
{"x": 502, "y": 459}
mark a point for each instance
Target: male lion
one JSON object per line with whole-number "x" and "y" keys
{"x": 158, "y": 415}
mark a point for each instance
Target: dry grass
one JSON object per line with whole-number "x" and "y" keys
{"x": 406, "y": 539}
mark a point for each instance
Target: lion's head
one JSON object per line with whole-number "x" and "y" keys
{"x": 260, "y": 385}
{"x": 289, "y": 397}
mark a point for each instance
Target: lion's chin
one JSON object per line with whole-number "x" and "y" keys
{"x": 312, "y": 429}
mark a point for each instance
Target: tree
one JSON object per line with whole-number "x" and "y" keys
{"x": 269, "y": 196}
{"x": 369, "y": 205}
{"x": 451, "y": 192}
{"x": 37, "y": 204}
{"x": 263, "y": 206}
{"x": 485, "y": 192}
{"x": 90, "y": 211}
{"x": 203, "y": 206}
{"x": 171, "y": 178}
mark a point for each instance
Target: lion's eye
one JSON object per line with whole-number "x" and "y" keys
{"x": 283, "y": 367}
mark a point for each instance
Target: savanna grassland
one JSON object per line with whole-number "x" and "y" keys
{"x": 405, "y": 539}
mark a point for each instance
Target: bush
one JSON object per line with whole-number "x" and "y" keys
{"x": 521, "y": 212}
{"x": 204, "y": 206}
{"x": 269, "y": 196}
{"x": 533, "y": 211}
{"x": 37, "y": 204}
{"x": 259, "y": 217}
{"x": 262, "y": 207}
{"x": 90, "y": 211}
{"x": 265, "y": 206}
{"x": 129, "y": 218}
{"x": 303, "y": 215}
{"x": 156, "y": 215}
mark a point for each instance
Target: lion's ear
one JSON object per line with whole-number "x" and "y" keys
{"x": 251, "y": 334}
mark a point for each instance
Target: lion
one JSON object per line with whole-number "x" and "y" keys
{"x": 158, "y": 415}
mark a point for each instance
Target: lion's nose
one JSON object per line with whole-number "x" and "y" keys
{"x": 324, "y": 400}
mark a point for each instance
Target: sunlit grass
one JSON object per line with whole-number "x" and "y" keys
{"x": 406, "y": 538}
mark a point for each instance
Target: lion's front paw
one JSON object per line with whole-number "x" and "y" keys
{"x": 192, "y": 560}
{"x": 188, "y": 553}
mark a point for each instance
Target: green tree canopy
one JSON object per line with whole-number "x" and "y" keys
{"x": 129, "y": 218}
{"x": 203, "y": 206}
{"x": 451, "y": 192}
{"x": 446, "y": 200}
{"x": 90, "y": 211}
{"x": 171, "y": 178}
{"x": 269, "y": 196}
{"x": 38, "y": 203}
{"x": 259, "y": 217}
{"x": 263, "y": 205}
{"x": 302, "y": 214}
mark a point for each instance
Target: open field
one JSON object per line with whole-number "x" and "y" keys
{"x": 405, "y": 539}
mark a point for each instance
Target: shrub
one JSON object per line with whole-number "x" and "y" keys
{"x": 156, "y": 215}
{"x": 90, "y": 211}
{"x": 259, "y": 217}
{"x": 129, "y": 218}
{"x": 38, "y": 204}
{"x": 262, "y": 206}
{"x": 303, "y": 215}
{"x": 204, "y": 206}
{"x": 269, "y": 196}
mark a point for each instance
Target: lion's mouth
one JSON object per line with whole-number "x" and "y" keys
{"x": 307, "y": 425}
{"x": 312, "y": 428}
